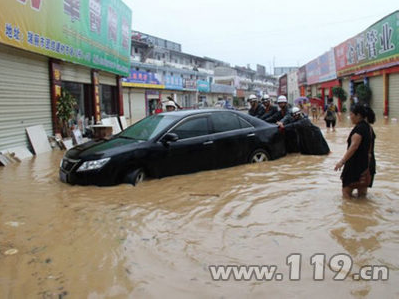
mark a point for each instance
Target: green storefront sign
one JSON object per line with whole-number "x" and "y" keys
{"x": 374, "y": 47}
{"x": 95, "y": 33}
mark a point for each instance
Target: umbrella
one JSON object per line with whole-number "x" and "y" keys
{"x": 301, "y": 99}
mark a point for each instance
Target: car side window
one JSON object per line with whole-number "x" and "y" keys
{"x": 244, "y": 124}
{"x": 192, "y": 128}
{"x": 225, "y": 121}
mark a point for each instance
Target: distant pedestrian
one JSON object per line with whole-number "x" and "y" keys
{"x": 359, "y": 161}
{"x": 315, "y": 114}
{"x": 330, "y": 114}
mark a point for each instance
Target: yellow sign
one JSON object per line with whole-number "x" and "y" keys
{"x": 143, "y": 85}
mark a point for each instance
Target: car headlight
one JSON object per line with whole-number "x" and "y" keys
{"x": 92, "y": 165}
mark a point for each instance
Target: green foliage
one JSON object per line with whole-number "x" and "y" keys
{"x": 318, "y": 95}
{"x": 65, "y": 110}
{"x": 363, "y": 93}
{"x": 340, "y": 93}
{"x": 65, "y": 106}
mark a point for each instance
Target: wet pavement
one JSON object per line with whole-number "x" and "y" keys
{"x": 158, "y": 239}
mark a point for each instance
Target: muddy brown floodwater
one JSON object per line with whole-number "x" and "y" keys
{"x": 158, "y": 239}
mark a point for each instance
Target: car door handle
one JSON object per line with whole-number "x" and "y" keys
{"x": 251, "y": 135}
{"x": 208, "y": 142}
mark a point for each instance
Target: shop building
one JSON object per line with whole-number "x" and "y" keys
{"x": 38, "y": 59}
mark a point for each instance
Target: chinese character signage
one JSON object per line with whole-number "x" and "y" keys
{"x": 203, "y": 86}
{"x": 321, "y": 69}
{"x": 142, "y": 79}
{"x": 173, "y": 82}
{"x": 374, "y": 47}
{"x": 302, "y": 75}
{"x": 95, "y": 33}
{"x": 282, "y": 90}
{"x": 190, "y": 84}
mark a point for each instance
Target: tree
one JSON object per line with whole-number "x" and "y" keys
{"x": 340, "y": 93}
{"x": 363, "y": 93}
{"x": 65, "y": 110}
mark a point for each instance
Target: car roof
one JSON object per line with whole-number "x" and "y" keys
{"x": 184, "y": 113}
{"x": 188, "y": 112}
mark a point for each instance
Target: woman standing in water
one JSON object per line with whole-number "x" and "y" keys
{"x": 359, "y": 161}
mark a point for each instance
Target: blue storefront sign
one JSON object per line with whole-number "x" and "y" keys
{"x": 173, "y": 82}
{"x": 142, "y": 77}
{"x": 203, "y": 86}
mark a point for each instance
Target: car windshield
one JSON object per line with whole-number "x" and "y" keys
{"x": 149, "y": 127}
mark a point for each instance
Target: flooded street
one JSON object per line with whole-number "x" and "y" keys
{"x": 158, "y": 239}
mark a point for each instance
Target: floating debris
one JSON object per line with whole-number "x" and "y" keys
{"x": 11, "y": 251}
{"x": 14, "y": 223}
{"x": 205, "y": 194}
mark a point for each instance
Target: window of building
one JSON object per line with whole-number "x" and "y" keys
{"x": 108, "y": 100}
{"x": 77, "y": 91}
{"x": 192, "y": 128}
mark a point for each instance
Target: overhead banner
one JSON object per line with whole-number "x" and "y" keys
{"x": 203, "y": 86}
{"x": 94, "y": 33}
{"x": 302, "y": 75}
{"x": 321, "y": 69}
{"x": 173, "y": 82}
{"x": 142, "y": 80}
{"x": 376, "y": 46}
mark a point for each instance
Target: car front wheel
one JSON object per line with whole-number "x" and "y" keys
{"x": 135, "y": 177}
{"x": 259, "y": 156}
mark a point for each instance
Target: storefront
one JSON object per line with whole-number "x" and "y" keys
{"x": 377, "y": 68}
{"x": 203, "y": 88}
{"x": 38, "y": 60}
{"x": 142, "y": 92}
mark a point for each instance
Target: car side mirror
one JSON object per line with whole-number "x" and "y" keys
{"x": 169, "y": 137}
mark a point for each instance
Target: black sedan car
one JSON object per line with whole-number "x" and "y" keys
{"x": 173, "y": 143}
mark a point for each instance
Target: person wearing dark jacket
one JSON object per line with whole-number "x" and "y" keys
{"x": 256, "y": 109}
{"x": 270, "y": 109}
{"x": 303, "y": 136}
{"x": 284, "y": 110}
{"x": 359, "y": 160}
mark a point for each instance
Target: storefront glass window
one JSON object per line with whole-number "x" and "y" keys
{"x": 77, "y": 91}
{"x": 108, "y": 101}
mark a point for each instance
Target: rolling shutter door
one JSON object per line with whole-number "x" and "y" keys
{"x": 107, "y": 78}
{"x": 75, "y": 73}
{"x": 137, "y": 106}
{"x": 394, "y": 95}
{"x": 24, "y": 95}
{"x": 377, "y": 98}
{"x": 126, "y": 107}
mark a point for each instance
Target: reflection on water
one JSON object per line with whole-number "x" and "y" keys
{"x": 158, "y": 239}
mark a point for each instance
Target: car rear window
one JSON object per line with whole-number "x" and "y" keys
{"x": 225, "y": 121}
{"x": 192, "y": 128}
{"x": 244, "y": 123}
